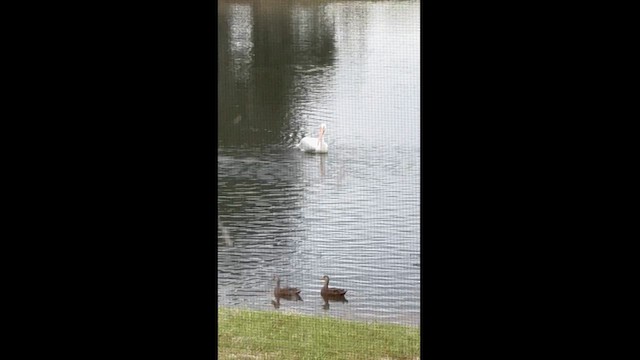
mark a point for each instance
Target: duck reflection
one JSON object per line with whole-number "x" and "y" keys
{"x": 225, "y": 233}
{"x": 287, "y": 293}
{"x": 332, "y": 298}
{"x": 276, "y": 302}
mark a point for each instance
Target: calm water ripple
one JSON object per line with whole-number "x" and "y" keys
{"x": 352, "y": 214}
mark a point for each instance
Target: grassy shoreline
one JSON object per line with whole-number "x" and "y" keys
{"x": 249, "y": 334}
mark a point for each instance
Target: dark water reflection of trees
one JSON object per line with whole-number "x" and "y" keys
{"x": 260, "y": 47}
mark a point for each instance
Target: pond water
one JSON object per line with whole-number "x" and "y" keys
{"x": 353, "y": 214}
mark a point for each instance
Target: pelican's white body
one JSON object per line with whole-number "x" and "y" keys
{"x": 312, "y": 144}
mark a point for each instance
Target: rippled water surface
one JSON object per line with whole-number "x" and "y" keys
{"x": 352, "y": 214}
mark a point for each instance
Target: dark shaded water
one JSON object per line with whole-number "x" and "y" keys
{"x": 352, "y": 214}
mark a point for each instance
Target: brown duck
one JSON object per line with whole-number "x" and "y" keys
{"x": 287, "y": 292}
{"x": 327, "y": 291}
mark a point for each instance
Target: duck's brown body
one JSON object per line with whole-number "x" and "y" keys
{"x": 326, "y": 291}
{"x": 288, "y": 292}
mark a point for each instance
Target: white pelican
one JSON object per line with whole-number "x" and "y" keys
{"x": 317, "y": 145}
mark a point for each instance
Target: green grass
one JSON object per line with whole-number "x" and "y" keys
{"x": 247, "y": 334}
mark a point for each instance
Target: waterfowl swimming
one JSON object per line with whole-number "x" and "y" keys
{"x": 327, "y": 291}
{"x": 289, "y": 293}
{"x": 316, "y": 145}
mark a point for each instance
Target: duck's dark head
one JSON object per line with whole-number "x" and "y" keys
{"x": 325, "y": 279}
